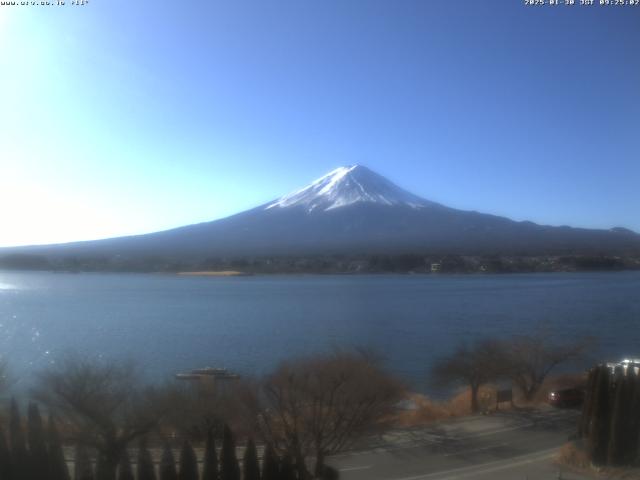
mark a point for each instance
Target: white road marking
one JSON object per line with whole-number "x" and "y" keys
{"x": 474, "y": 450}
{"x": 414, "y": 444}
{"x": 495, "y": 432}
{"x": 351, "y": 469}
{"x": 501, "y": 467}
{"x": 428, "y": 438}
{"x": 488, "y": 467}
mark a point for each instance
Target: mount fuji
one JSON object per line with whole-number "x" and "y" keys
{"x": 347, "y": 186}
{"x": 352, "y": 210}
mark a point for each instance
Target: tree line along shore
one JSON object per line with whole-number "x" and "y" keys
{"x": 328, "y": 264}
{"x": 103, "y": 418}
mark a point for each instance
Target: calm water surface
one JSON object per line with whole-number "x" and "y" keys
{"x": 168, "y": 323}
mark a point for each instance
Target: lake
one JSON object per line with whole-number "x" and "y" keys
{"x": 168, "y": 323}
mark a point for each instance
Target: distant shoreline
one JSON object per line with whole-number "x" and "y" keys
{"x": 222, "y": 273}
{"x": 330, "y": 264}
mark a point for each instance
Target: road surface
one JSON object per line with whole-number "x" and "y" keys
{"x": 508, "y": 445}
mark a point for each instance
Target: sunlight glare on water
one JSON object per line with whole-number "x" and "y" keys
{"x": 167, "y": 324}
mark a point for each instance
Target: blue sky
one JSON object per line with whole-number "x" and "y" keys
{"x": 122, "y": 117}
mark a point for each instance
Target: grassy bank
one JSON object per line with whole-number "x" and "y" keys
{"x": 427, "y": 410}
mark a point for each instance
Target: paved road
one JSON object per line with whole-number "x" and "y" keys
{"x": 505, "y": 445}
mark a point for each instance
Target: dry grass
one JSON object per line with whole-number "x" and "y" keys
{"x": 426, "y": 411}
{"x": 429, "y": 411}
{"x": 574, "y": 457}
{"x": 459, "y": 405}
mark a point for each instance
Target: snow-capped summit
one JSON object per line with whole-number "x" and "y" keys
{"x": 351, "y": 210}
{"x": 346, "y": 186}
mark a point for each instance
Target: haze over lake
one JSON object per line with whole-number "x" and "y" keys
{"x": 168, "y": 323}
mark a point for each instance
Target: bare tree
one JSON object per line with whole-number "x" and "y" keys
{"x": 473, "y": 365}
{"x": 531, "y": 357}
{"x": 321, "y": 405}
{"x": 201, "y": 408}
{"x": 103, "y": 404}
{"x": 193, "y": 409}
{"x": 4, "y": 375}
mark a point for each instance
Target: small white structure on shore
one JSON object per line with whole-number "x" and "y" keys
{"x": 208, "y": 373}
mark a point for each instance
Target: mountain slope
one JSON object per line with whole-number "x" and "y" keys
{"x": 353, "y": 210}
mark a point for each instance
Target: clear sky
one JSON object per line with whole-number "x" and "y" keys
{"x": 123, "y": 117}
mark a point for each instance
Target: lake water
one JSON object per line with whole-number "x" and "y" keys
{"x": 169, "y": 323}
